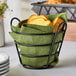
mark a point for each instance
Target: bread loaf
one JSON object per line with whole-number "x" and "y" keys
{"x": 60, "y": 1}
{"x": 39, "y": 20}
{"x": 44, "y": 21}
{"x": 57, "y": 21}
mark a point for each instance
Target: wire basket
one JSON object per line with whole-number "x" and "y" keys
{"x": 41, "y": 8}
{"x": 51, "y": 44}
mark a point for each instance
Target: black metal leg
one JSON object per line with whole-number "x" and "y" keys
{"x": 18, "y": 52}
{"x": 73, "y": 14}
{"x": 63, "y": 37}
{"x": 47, "y": 10}
{"x": 63, "y": 9}
{"x": 40, "y": 10}
{"x": 53, "y": 41}
{"x": 57, "y": 10}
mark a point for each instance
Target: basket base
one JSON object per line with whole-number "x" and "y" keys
{"x": 44, "y": 67}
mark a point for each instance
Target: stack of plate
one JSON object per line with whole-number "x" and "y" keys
{"x": 4, "y": 64}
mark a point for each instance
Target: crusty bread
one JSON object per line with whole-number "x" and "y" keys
{"x": 68, "y": 1}
{"x": 56, "y": 2}
{"x": 46, "y": 2}
{"x": 44, "y": 17}
{"x": 35, "y": 17}
{"x": 56, "y": 23}
{"x": 60, "y": 1}
{"x": 53, "y": 2}
{"x": 39, "y": 20}
{"x": 44, "y": 21}
{"x": 74, "y": 1}
{"x": 31, "y": 18}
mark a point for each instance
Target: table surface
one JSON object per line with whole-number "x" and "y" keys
{"x": 67, "y": 58}
{"x": 66, "y": 65}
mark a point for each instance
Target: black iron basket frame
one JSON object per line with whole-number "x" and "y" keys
{"x": 64, "y": 8}
{"x": 51, "y": 49}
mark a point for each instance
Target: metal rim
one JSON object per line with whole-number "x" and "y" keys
{"x": 55, "y": 5}
{"x": 30, "y": 67}
{"x": 11, "y": 23}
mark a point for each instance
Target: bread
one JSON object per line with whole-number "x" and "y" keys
{"x": 74, "y": 1}
{"x": 53, "y": 2}
{"x": 60, "y": 1}
{"x": 68, "y": 1}
{"x": 36, "y": 16}
{"x": 56, "y": 2}
{"x": 39, "y": 20}
{"x": 31, "y": 18}
{"x": 44, "y": 21}
{"x": 56, "y": 23}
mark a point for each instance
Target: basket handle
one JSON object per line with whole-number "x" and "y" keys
{"x": 15, "y": 18}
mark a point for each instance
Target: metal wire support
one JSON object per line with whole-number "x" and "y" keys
{"x": 51, "y": 44}
{"x": 41, "y": 8}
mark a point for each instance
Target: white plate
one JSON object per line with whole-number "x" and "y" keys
{"x": 3, "y": 58}
{"x": 4, "y": 68}
{"x": 4, "y": 72}
{"x": 4, "y": 65}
